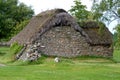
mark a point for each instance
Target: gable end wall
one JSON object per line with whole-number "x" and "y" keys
{"x": 65, "y": 41}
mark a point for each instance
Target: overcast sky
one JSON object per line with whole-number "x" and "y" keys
{"x": 42, "y": 5}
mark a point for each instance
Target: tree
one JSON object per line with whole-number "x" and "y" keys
{"x": 117, "y": 36}
{"x": 79, "y": 11}
{"x": 106, "y": 10}
{"x": 84, "y": 17}
{"x": 12, "y": 13}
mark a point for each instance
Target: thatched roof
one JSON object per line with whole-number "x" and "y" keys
{"x": 88, "y": 24}
{"x": 96, "y": 35}
{"x": 44, "y": 21}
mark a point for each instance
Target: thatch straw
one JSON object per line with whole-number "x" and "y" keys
{"x": 97, "y": 33}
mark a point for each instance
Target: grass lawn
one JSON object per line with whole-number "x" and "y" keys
{"x": 67, "y": 69}
{"x": 4, "y": 50}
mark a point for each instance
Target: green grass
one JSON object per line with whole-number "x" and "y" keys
{"x": 116, "y": 55}
{"x": 66, "y": 69}
{"x": 4, "y": 50}
{"x": 50, "y": 70}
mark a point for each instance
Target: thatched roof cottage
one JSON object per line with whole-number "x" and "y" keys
{"x": 58, "y": 34}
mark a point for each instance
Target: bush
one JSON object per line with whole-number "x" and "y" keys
{"x": 19, "y": 27}
{"x": 14, "y": 49}
{"x": 16, "y": 29}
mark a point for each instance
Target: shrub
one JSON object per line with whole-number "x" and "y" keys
{"x": 14, "y": 49}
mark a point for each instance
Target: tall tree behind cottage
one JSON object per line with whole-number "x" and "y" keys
{"x": 79, "y": 11}
{"x": 12, "y": 12}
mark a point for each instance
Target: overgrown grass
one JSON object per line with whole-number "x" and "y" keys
{"x": 9, "y": 53}
{"x": 25, "y": 63}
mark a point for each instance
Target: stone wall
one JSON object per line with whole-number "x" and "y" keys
{"x": 65, "y": 41}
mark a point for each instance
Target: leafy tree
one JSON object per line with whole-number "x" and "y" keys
{"x": 12, "y": 13}
{"x": 83, "y": 16}
{"x": 106, "y": 10}
{"x": 79, "y": 11}
{"x": 19, "y": 27}
{"x": 117, "y": 36}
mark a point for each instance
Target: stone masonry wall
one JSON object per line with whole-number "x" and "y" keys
{"x": 65, "y": 41}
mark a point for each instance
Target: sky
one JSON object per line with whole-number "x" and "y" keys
{"x": 42, "y": 5}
